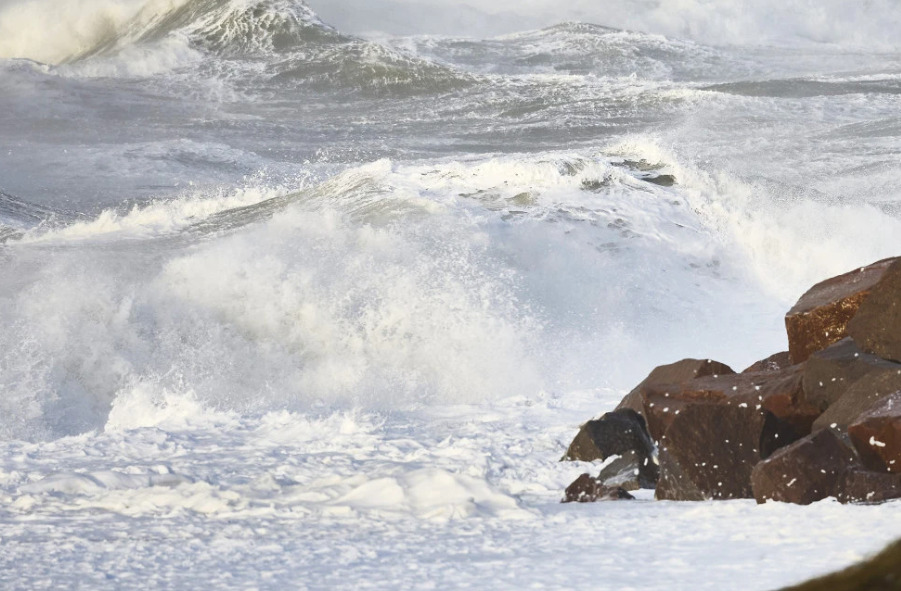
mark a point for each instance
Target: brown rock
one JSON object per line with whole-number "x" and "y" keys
{"x": 673, "y": 373}
{"x": 865, "y": 486}
{"x": 877, "y": 435}
{"x": 582, "y": 447}
{"x": 829, "y": 373}
{"x": 775, "y": 362}
{"x": 662, "y": 404}
{"x": 821, "y": 316}
{"x": 586, "y": 489}
{"x": 859, "y": 398}
{"x": 614, "y": 434}
{"x": 709, "y": 450}
{"x": 876, "y": 326}
{"x": 779, "y": 392}
{"x": 806, "y": 471}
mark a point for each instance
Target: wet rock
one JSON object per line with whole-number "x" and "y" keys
{"x": 880, "y": 573}
{"x": 775, "y": 362}
{"x": 876, "y": 326}
{"x": 709, "y": 450}
{"x": 630, "y": 471}
{"x": 829, "y": 373}
{"x": 877, "y": 435}
{"x": 866, "y": 486}
{"x": 821, "y": 315}
{"x": 809, "y": 470}
{"x": 779, "y": 392}
{"x": 663, "y": 404}
{"x": 859, "y": 398}
{"x": 588, "y": 489}
{"x": 614, "y": 434}
{"x": 679, "y": 372}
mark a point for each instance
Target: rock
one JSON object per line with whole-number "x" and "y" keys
{"x": 630, "y": 471}
{"x": 880, "y": 573}
{"x": 876, "y": 326}
{"x": 586, "y": 489}
{"x": 614, "y": 434}
{"x": 709, "y": 450}
{"x": 829, "y": 373}
{"x": 877, "y": 435}
{"x": 809, "y": 470}
{"x": 663, "y": 404}
{"x": 582, "y": 448}
{"x": 821, "y": 315}
{"x": 679, "y": 372}
{"x": 866, "y": 486}
{"x": 859, "y": 398}
{"x": 779, "y": 392}
{"x": 775, "y": 362}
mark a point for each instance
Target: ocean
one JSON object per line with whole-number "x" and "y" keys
{"x": 288, "y": 306}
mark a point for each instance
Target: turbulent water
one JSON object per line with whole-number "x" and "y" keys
{"x": 218, "y": 208}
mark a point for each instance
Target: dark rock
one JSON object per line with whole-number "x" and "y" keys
{"x": 779, "y": 392}
{"x": 663, "y": 404}
{"x": 829, "y": 373}
{"x": 877, "y": 435}
{"x": 859, "y": 398}
{"x": 630, "y": 471}
{"x": 865, "y": 486}
{"x": 877, "y": 325}
{"x": 775, "y": 362}
{"x": 582, "y": 448}
{"x": 821, "y": 315}
{"x": 806, "y": 471}
{"x": 880, "y": 573}
{"x": 679, "y": 372}
{"x": 614, "y": 434}
{"x": 587, "y": 489}
{"x": 709, "y": 450}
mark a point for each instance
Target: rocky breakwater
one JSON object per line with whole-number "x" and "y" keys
{"x": 822, "y": 419}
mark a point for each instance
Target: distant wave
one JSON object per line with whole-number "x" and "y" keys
{"x": 33, "y": 29}
{"x": 575, "y": 48}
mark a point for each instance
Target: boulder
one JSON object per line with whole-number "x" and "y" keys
{"x": 879, "y": 573}
{"x": 775, "y": 362}
{"x": 614, "y": 434}
{"x": 809, "y": 470}
{"x": 829, "y": 373}
{"x": 709, "y": 450}
{"x": 866, "y": 486}
{"x": 679, "y": 372}
{"x": 587, "y": 489}
{"x": 821, "y": 315}
{"x": 859, "y": 398}
{"x": 662, "y": 404}
{"x": 779, "y": 392}
{"x": 877, "y": 435}
{"x": 876, "y": 326}
{"x": 630, "y": 471}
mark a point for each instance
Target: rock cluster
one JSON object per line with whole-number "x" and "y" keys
{"x": 822, "y": 419}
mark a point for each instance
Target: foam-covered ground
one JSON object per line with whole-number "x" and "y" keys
{"x": 457, "y": 497}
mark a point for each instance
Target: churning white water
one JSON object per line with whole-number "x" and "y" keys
{"x": 286, "y": 307}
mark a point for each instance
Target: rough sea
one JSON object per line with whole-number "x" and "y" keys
{"x": 285, "y": 306}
